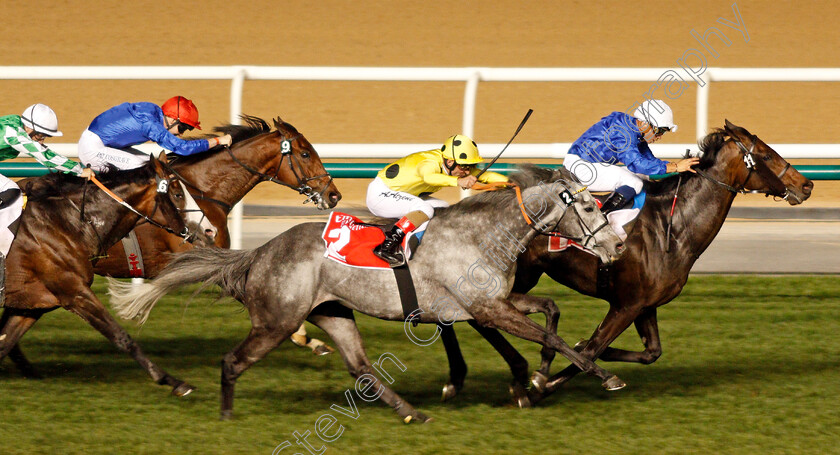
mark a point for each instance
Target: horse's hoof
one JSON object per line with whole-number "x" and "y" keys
{"x": 520, "y": 395}
{"x": 580, "y": 345}
{"x": 534, "y": 397}
{"x": 226, "y": 415}
{"x": 449, "y": 392}
{"x": 539, "y": 381}
{"x": 299, "y": 340}
{"x": 322, "y": 350}
{"x": 613, "y": 383}
{"x": 183, "y": 389}
{"x": 419, "y": 417}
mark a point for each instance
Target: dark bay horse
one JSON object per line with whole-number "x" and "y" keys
{"x": 220, "y": 178}
{"x": 288, "y": 280}
{"x": 67, "y": 225}
{"x": 217, "y": 180}
{"x": 654, "y": 268}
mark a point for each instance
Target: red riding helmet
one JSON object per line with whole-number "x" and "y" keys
{"x": 183, "y": 110}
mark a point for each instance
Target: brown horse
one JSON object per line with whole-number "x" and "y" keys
{"x": 217, "y": 180}
{"x": 654, "y": 267}
{"x": 67, "y": 226}
{"x": 220, "y": 178}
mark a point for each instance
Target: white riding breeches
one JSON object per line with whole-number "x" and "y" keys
{"x": 385, "y": 202}
{"x": 9, "y": 212}
{"x": 619, "y": 218}
{"x": 602, "y": 176}
{"x": 93, "y": 152}
{"x": 607, "y": 177}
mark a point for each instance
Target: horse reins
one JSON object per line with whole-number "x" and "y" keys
{"x": 162, "y": 187}
{"x": 569, "y": 200}
{"x": 302, "y": 182}
{"x": 201, "y": 195}
{"x": 671, "y": 216}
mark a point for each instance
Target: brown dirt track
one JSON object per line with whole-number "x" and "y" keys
{"x": 433, "y": 33}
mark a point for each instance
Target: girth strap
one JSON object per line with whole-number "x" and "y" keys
{"x": 604, "y": 281}
{"x": 408, "y": 296}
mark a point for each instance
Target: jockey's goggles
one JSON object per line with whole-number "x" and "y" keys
{"x": 183, "y": 128}
{"x": 661, "y": 130}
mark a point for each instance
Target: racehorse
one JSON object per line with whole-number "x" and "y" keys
{"x": 655, "y": 267}
{"x": 220, "y": 178}
{"x": 217, "y": 180}
{"x": 67, "y": 225}
{"x": 288, "y": 280}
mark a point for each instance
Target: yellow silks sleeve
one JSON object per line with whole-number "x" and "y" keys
{"x": 430, "y": 172}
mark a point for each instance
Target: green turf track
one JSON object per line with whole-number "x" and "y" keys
{"x": 750, "y": 365}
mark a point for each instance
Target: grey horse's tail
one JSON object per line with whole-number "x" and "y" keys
{"x": 226, "y": 268}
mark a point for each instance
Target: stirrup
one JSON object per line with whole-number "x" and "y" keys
{"x": 393, "y": 258}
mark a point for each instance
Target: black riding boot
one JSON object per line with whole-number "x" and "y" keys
{"x": 613, "y": 203}
{"x": 390, "y": 250}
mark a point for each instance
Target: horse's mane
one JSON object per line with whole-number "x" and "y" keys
{"x": 710, "y": 145}
{"x": 61, "y": 184}
{"x": 252, "y": 127}
{"x": 527, "y": 175}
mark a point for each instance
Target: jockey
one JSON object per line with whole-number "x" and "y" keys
{"x": 24, "y": 135}
{"x": 402, "y": 189}
{"x": 111, "y": 135}
{"x": 621, "y": 138}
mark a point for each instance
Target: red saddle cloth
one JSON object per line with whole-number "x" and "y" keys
{"x": 351, "y": 242}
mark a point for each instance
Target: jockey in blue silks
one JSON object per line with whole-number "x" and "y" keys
{"x": 621, "y": 138}
{"x": 111, "y": 136}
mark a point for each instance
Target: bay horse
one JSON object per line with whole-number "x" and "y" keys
{"x": 220, "y": 178}
{"x": 217, "y": 180}
{"x": 654, "y": 268}
{"x": 288, "y": 280}
{"x": 67, "y": 225}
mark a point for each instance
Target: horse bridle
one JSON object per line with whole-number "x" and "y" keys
{"x": 296, "y": 168}
{"x": 569, "y": 199}
{"x": 162, "y": 188}
{"x": 777, "y": 188}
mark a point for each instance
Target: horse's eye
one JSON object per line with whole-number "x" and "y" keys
{"x": 304, "y": 154}
{"x": 589, "y": 209}
{"x": 767, "y": 157}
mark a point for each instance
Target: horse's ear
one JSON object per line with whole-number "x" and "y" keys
{"x": 162, "y": 158}
{"x": 734, "y": 130}
{"x": 728, "y": 126}
{"x": 278, "y": 122}
{"x": 567, "y": 174}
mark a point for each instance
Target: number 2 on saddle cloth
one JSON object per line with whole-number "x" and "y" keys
{"x": 350, "y": 241}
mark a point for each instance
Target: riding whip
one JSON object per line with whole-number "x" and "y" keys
{"x": 521, "y": 124}
{"x": 671, "y": 215}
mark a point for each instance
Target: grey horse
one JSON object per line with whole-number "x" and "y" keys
{"x": 463, "y": 271}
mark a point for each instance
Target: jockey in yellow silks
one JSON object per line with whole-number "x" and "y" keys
{"x": 404, "y": 187}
